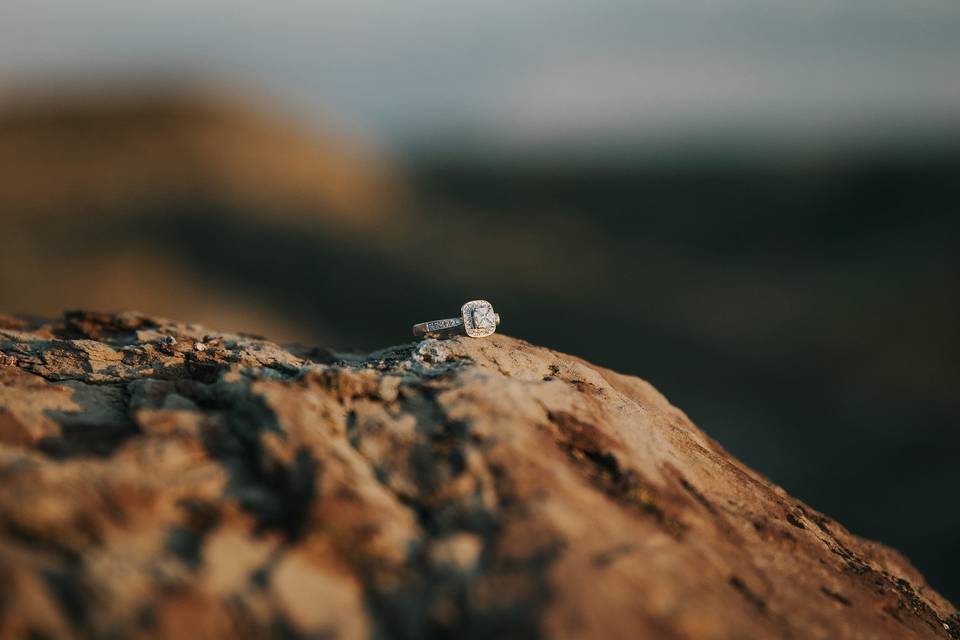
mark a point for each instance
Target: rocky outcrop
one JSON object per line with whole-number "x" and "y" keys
{"x": 110, "y": 152}
{"x": 106, "y": 190}
{"x": 160, "y": 479}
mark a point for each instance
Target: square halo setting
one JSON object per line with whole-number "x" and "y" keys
{"x": 479, "y": 319}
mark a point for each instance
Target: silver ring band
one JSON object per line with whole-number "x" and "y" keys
{"x": 438, "y": 327}
{"x": 477, "y": 320}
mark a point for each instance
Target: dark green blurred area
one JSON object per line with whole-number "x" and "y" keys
{"x": 804, "y": 314}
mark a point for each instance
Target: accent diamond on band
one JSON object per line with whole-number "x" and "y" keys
{"x": 477, "y": 320}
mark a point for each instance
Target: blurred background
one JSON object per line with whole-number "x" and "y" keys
{"x": 752, "y": 204}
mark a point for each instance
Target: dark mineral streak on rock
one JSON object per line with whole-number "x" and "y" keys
{"x": 158, "y": 479}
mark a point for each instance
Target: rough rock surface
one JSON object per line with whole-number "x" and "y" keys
{"x": 160, "y": 479}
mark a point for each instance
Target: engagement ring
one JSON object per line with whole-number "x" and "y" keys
{"x": 477, "y": 319}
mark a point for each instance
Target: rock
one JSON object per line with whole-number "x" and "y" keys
{"x": 117, "y": 198}
{"x": 111, "y": 149}
{"x": 459, "y": 488}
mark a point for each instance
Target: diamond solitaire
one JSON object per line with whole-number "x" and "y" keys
{"x": 477, "y": 320}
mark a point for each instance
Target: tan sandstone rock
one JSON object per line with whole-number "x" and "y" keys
{"x": 163, "y": 480}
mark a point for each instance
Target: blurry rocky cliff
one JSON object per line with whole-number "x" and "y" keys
{"x": 81, "y": 172}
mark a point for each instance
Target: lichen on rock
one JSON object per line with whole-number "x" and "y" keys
{"x": 161, "y": 479}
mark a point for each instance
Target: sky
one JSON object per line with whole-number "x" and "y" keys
{"x": 526, "y": 71}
